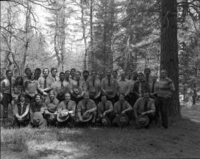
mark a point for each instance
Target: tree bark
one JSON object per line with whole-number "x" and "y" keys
{"x": 169, "y": 50}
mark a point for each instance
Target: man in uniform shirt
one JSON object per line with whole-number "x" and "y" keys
{"x": 93, "y": 85}
{"x": 121, "y": 107}
{"x": 53, "y": 74}
{"x": 145, "y": 106}
{"x": 61, "y": 87}
{"x": 129, "y": 74}
{"x": 45, "y": 82}
{"x": 124, "y": 85}
{"x": 85, "y": 107}
{"x": 147, "y": 74}
{"x": 73, "y": 73}
{"x": 109, "y": 87}
{"x": 115, "y": 74}
{"x": 70, "y": 106}
{"x": 105, "y": 108}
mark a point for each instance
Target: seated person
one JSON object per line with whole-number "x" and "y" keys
{"x": 85, "y": 108}
{"x": 145, "y": 106}
{"x": 121, "y": 107}
{"x": 105, "y": 108}
{"x": 21, "y": 111}
{"x": 36, "y": 106}
{"x": 70, "y": 106}
{"x": 50, "y": 112}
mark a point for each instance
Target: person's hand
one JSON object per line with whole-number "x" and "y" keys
{"x": 123, "y": 112}
{"x": 45, "y": 93}
{"x": 140, "y": 95}
{"x": 168, "y": 96}
{"x": 104, "y": 114}
{"x": 143, "y": 113}
{"x": 80, "y": 118}
{"x": 101, "y": 116}
{"x": 46, "y": 112}
{"x": 20, "y": 118}
{"x": 79, "y": 96}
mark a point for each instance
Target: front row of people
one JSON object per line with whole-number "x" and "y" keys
{"x": 49, "y": 112}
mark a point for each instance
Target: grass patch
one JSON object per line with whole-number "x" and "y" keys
{"x": 181, "y": 140}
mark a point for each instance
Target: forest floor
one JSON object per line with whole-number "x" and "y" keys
{"x": 180, "y": 140}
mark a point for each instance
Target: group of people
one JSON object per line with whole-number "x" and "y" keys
{"x": 74, "y": 98}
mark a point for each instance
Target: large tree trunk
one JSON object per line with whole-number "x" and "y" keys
{"x": 169, "y": 49}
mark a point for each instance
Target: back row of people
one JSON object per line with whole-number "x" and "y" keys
{"x": 76, "y": 83}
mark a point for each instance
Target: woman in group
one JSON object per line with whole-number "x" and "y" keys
{"x": 21, "y": 111}
{"x": 18, "y": 88}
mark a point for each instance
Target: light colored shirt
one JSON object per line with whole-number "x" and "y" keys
{"x": 51, "y": 104}
{"x": 120, "y": 106}
{"x": 31, "y": 87}
{"x": 70, "y": 106}
{"x": 124, "y": 86}
{"x": 6, "y": 86}
{"x": 96, "y": 88}
{"x": 49, "y": 80}
{"x": 139, "y": 105}
{"x": 102, "y": 107}
{"x": 166, "y": 87}
{"x": 84, "y": 105}
{"x": 57, "y": 86}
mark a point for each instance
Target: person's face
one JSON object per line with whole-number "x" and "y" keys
{"x": 141, "y": 77}
{"x": 9, "y": 74}
{"x": 19, "y": 80}
{"x": 114, "y": 74}
{"x": 163, "y": 74}
{"x": 22, "y": 99}
{"x": 46, "y": 72}
{"x": 51, "y": 95}
{"x": 67, "y": 74}
{"x": 103, "y": 98}
{"x": 123, "y": 75}
{"x": 72, "y": 72}
{"x": 62, "y": 77}
{"x": 78, "y": 76}
{"x": 135, "y": 76}
{"x": 86, "y": 96}
{"x": 155, "y": 78}
{"x": 129, "y": 72}
{"x": 28, "y": 73}
{"x": 93, "y": 74}
{"x": 54, "y": 72}
{"x": 32, "y": 77}
{"x": 121, "y": 98}
{"x": 147, "y": 72}
{"x": 146, "y": 95}
{"x": 37, "y": 99}
{"x": 67, "y": 97}
{"x": 85, "y": 74}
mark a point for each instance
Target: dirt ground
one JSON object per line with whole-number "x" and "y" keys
{"x": 181, "y": 140}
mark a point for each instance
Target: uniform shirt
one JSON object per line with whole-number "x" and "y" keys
{"x": 70, "y": 106}
{"x": 120, "y": 106}
{"x": 112, "y": 88}
{"x": 83, "y": 106}
{"x": 6, "y": 86}
{"x": 139, "y": 105}
{"x": 49, "y": 80}
{"x": 51, "y": 105}
{"x": 37, "y": 107}
{"x": 93, "y": 87}
{"x": 154, "y": 87}
{"x": 166, "y": 87}
{"x": 56, "y": 78}
{"x": 132, "y": 82}
{"x": 124, "y": 86}
{"x": 102, "y": 107}
{"x": 57, "y": 86}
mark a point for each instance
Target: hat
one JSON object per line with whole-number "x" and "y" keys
{"x": 87, "y": 117}
{"x": 109, "y": 92}
{"x": 63, "y": 116}
{"x": 142, "y": 120}
{"x": 122, "y": 120}
{"x": 76, "y": 90}
{"x": 105, "y": 121}
{"x": 37, "y": 118}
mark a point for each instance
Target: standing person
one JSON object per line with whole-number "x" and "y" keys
{"x": 54, "y": 74}
{"x": 121, "y": 107}
{"x": 51, "y": 104}
{"x": 27, "y": 74}
{"x": 129, "y": 74}
{"x": 61, "y": 87}
{"x": 21, "y": 111}
{"x": 78, "y": 88}
{"x": 85, "y": 108}
{"x": 45, "y": 82}
{"x": 85, "y": 75}
{"x": 67, "y": 76}
{"x": 101, "y": 75}
{"x": 93, "y": 85}
{"x": 139, "y": 86}
{"x": 18, "y": 88}
{"x": 70, "y": 106}
{"x": 37, "y": 74}
{"x": 105, "y": 109}
{"x": 145, "y": 106}
{"x": 132, "y": 97}
{"x": 7, "y": 88}
{"x": 31, "y": 88}
{"x": 124, "y": 85}
{"x": 109, "y": 87}
{"x": 147, "y": 74}
{"x": 165, "y": 92}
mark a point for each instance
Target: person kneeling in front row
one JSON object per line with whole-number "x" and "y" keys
{"x": 144, "y": 108}
{"x": 122, "y": 107}
{"x": 86, "y": 111}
